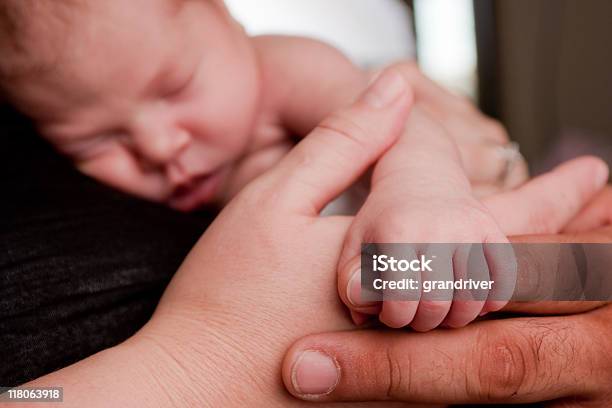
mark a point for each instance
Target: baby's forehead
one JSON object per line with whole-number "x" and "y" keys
{"x": 35, "y": 34}
{"x": 82, "y": 45}
{"x": 31, "y": 36}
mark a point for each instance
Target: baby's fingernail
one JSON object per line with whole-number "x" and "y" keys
{"x": 483, "y": 313}
{"x": 385, "y": 89}
{"x": 315, "y": 373}
{"x": 353, "y": 290}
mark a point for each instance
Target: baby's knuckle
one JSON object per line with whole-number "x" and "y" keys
{"x": 479, "y": 220}
{"x": 391, "y": 227}
{"x": 434, "y": 307}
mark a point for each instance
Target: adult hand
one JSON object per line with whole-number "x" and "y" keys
{"x": 261, "y": 276}
{"x": 565, "y": 360}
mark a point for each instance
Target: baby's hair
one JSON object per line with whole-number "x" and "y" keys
{"x": 26, "y": 26}
{"x": 33, "y": 33}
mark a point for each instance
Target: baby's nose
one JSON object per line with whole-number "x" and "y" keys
{"x": 160, "y": 146}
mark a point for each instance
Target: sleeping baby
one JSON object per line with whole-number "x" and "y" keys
{"x": 171, "y": 101}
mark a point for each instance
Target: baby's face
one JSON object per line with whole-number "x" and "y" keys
{"x": 154, "y": 97}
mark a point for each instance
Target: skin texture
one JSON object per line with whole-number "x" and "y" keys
{"x": 217, "y": 338}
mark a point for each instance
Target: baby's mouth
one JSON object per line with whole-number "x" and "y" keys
{"x": 198, "y": 191}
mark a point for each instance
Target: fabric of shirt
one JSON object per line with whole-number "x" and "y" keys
{"x": 82, "y": 267}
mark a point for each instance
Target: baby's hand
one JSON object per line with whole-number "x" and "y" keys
{"x": 420, "y": 195}
{"x": 423, "y": 196}
{"x": 489, "y": 160}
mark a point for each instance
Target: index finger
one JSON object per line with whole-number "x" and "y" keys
{"x": 567, "y": 275}
{"x": 343, "y": 146}
{"x": 509, "y": 361}
{"x": 597, "y": 213}
{"x": 545, "y": 204}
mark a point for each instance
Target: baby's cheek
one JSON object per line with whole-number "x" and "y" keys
{"x": 119, "y": 169}
{"x": 220, "y": 129}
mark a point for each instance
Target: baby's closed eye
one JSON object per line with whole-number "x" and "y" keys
{"x": 87, "y": 148}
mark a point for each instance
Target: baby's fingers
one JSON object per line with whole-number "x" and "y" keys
{"x": 435, "y": 300}
{"x": 469, "y": 262}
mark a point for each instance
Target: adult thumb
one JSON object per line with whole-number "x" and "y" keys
{"x": 343, "y": 146}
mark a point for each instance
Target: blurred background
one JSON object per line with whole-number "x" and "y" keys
{"x": 542, "y": 67}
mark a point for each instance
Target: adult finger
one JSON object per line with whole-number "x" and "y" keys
{"x": 546, "y": 204}
{"x": 563, "y": 276}
{"x": 597, "y": 214}
{"x": 342, "y": 147}
{"x": 485, "y": 163}
{"x": 511, "y": 361}
{"x": 554, "y": 307}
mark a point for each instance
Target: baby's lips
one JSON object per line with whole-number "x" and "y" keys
{"x": 199, "y": 191}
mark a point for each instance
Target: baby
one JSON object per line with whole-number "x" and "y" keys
{"x": 171, "y": 101}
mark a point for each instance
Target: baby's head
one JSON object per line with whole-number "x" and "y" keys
{"x": 154, "y": 97}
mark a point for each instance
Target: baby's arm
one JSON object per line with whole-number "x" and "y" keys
{"x": 420, "y": 195}
{"x": 304, "y": 80}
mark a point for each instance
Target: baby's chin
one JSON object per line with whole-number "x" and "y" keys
{"x": 201, "y": 192}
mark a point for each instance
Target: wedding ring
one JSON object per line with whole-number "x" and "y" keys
{"x": 511, "y": 155}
